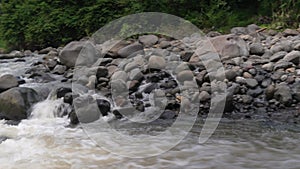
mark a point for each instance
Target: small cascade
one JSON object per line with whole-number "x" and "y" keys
{"x": 50, "y": 108}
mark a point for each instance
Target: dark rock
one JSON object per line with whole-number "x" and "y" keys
{"x": 102, "y": 72}
{"x": 7, "y": 82}
{"x": 168, "y": 114}
{"x": 62, "y": 91}
{"x": 255, "y": 92}
{"x": 140, "y": 106}
{"x": 186, "y": 55}
{"x": 104, "y": 106}
{"x": 15, "y": 103}
{"x": 150, "y": 88}
{"x": 73, "y": 118}
{"x": 68, "y": 98}
{"x": 130, "y": 50}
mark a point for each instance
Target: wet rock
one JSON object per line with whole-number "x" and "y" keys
{"x": 283, "y": 94}
{"x": 257, "y": 49}
{"x": 59, "y": 69}
{"x": 86, "y": 108}
{"x": 148, "y": 40}
{"x": 140, "y": 106}
{"x": 15, "y": 103}
{"x": 68, "y": 98}
{"x": 150, "y": 88}
{"x": 168, "y": 114}
{"x": 130, "y": 50}
{"x": 7, "y": 82}
{"x": 102, "y": 72}
{"x": 73, "y": 118}
{"x": 156, "y": 62}
{"x": 62, "y": 91}
{"x": 104, "y": 106}
{"x": 293, "y": 56}
{"x": 51, "y": 63}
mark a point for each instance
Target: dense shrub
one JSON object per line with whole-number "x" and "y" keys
{"x": 35, "y": 24}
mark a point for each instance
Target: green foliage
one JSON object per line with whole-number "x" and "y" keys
{"x": 36, "y": 24}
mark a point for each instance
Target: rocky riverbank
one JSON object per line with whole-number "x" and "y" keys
{"x": 262, "y": 75}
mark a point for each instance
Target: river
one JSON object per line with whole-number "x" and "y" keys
{"x": 45, "y": 141}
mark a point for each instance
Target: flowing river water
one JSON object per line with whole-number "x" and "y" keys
{"x": 44, "y": 141}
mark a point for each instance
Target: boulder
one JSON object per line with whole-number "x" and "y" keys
{"x": 230, "y": 46}
{"x": 104, "y": 106}
{"x": 69, "y": 54}
{"x": 8, "y": 81}
{"x": 15, "y": 103}
{"x": 86, "y": 109}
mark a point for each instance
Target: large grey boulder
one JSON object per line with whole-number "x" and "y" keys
{"x": 15, "y": 103}
{"x": 86, "y": 109}
{"x": 8, "y": 81}
{"x": 230, "y": 46}
{"x": 88, "y": 54}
